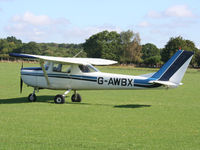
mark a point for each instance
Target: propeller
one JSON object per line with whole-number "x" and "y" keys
{"x": 21, "y": 81}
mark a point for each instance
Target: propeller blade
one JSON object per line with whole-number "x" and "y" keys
{"x": 21, "y": 81}
{"x": 21, "y": 85}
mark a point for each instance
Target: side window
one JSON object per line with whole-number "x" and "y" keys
{"x": 84, "y": 68}
{"x": 87, "y": 68}
{"x": 66, "y": 68}
{"x": 57, "y": 67}
{"x": 62, "y": 68}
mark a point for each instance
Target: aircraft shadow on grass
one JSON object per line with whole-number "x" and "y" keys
{"x": 111, "y": 105}
{"x": 131, "y": 106}
{"x": 25, "y": 100}
{"x": 49, "y": 99}
{"x": 115, "y": 106}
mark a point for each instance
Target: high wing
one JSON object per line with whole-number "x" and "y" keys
{"x": 63, "y": 60}
{"x": 68, "y": 60}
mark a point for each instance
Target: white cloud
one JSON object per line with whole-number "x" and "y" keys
{"x": 174, "y": 17}
{"x": 40, "y": 20}
{"x": 81, "y": 34}
{"x": 24, "y": 31}
{"x": 154, "y": 14}
{"x": 144, "y": 24}
{"x": 42, "y": 28}
{"x": 171, "y": 22}
{"x": 32, "y": 19}
{"x": 179, "y": 11}
{"x": 31, "y": 27}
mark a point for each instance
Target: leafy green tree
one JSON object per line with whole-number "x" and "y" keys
{"x": 13, "y": 39}
{"x": 177, "y": 43}
{"x": 9, "y": 44}
{"x": 131, "y": 48}
{"x": 126, "y": 39}
{"x": 150, "y": 54}
{"x": 29, "y": 48}
{"x": 103, "y": 45}
{"x": 134, "y": 50}
{"x": 197, "y": 58}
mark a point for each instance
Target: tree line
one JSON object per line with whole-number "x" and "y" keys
{"x": 13, "y": 45}
{"x": 124, "y": 47}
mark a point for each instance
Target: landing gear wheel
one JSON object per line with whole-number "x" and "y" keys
{"x": 59, "y": 99}
{"x": 32, "y": 97}
{"x": 76, "y": 98}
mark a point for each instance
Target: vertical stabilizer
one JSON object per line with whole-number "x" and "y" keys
{"x": 174, "y": 69}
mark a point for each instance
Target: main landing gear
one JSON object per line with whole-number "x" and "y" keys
{"x": 58, "y": 99}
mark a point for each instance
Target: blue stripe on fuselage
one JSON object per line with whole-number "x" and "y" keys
{"x": 32, "y": 68}
{"x": 53, "y": 75}
{"x": 145, "y": 83}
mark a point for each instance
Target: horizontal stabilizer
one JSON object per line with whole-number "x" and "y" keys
{"x": 166, "y": 83}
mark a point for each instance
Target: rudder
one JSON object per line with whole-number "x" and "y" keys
{"x": 174, "y": 69}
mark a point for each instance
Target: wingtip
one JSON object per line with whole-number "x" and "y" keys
{"x": 21, "y": 55}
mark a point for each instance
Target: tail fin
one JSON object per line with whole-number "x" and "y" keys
{"x": 174, "y": 69}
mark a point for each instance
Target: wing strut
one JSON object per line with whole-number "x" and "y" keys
{"x": 45, "y": 73}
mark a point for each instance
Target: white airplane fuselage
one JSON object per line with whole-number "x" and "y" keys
{"x": 78, "y": 80}
{"x": 78, "y": 74}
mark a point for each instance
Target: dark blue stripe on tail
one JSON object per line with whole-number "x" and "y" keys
{"x": 166, "y": 65}
{"x": 172, "y": 65}
{"x": 176, "y": 65}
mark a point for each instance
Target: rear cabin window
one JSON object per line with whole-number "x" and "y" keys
{"x": 62, "y": 68}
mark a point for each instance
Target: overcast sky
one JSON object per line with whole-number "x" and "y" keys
{"x": 73, "y": 21}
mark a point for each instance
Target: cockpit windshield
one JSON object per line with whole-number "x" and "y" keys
{"x": 88, "y": 68}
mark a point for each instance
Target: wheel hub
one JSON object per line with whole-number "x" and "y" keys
{"x": 31, "y": 97}
{"x": 59, "y": 99}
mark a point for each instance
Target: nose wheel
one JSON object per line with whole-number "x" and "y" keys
{"x": 32, "y": 97}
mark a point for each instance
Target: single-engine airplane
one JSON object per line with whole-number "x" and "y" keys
{"x": 59, "y": 73}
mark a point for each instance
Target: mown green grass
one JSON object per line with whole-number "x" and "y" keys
{"x": 151, "y": 119}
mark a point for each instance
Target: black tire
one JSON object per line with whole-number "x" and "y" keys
{"x": 76, "y": 98}
{"x": 32, "y": 97}
{"x": 59, "y": 99}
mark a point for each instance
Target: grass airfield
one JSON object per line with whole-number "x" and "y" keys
{"x": 146, "y": 119}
